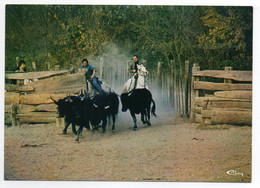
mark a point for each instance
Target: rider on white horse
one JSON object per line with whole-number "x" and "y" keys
{"x": 138, "y": 81}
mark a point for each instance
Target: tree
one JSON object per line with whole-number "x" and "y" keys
{"x": 63, "y": 34}
{"x": 228, "y": 37}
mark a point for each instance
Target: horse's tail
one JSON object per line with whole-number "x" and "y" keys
{"x": 153, "y": 108}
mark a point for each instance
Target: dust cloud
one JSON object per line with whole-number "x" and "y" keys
{"x": 112, "y": 68}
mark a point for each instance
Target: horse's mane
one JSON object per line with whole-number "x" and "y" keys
{"x": 142, "y": 70}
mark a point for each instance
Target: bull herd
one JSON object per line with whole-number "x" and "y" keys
{"x": 82, "y": 110}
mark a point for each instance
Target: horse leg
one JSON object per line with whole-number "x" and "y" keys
{"x": 142, "y": 117}
{"x": 148, "y": 116}
{"x": 67, "y": 123}
{"x": 134, "y": 119}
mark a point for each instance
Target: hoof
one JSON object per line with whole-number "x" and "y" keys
{"x": 76, "y": 140}
{"x": 149, "y": 124}
{"x": 64, "y": 132}
{"x": 135, "y": 128}
{"x": 113, "y": 128}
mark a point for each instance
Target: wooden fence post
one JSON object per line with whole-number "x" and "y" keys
{"x": 145, "y": 63}
{"x": 176, "y": 97}
{"x": 187, "y": 63}
{"x": 57, "y": 67}
{"x": 60, "y": 122}
{"x": 228, "y": 81}
{"x": 181, "y": 89}
{"x": 128, "y": 63}
{"x": 14, "y": 112}
{"x": 172, "y": 83}
{"x": 34, "y": 66}
{"x": 159, "y": 68}
{"x": 47, "y": 66}
{"x": 20, "y": 82}
{"x": 194, "y": 93}
{"x": 159, "y": 78}
{"x": 206, "y": 105}
{"x": 101, "y": 68}
{"x": 17, "y": 61}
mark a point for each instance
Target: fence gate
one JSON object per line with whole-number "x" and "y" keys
{"x": 225, "y": 100}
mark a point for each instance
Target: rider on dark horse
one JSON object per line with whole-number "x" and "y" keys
{"x": 133, "y": 69}
{"x": 138, "y": 99}
{"x": 90, "y": 75}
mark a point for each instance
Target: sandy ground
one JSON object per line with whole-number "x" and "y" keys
{"x": 171, "y": 150}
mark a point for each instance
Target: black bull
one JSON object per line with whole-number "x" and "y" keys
{"x": 66, "y": 109}
{"x": 82, "y": 110}
{"x": 139, "y": 102}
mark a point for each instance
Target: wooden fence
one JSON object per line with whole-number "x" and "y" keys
{"x": 209, "y": 96}
{"x": 172, "y": 86}
{"x": 31, "y": 103}
{"x": 231, "y": 102}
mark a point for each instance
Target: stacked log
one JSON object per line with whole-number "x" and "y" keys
{"x": 32, "y": 103}
{"x": 231, "y": 102}
{"x": 18, "y": 89}
{"x": 31, "y": 108}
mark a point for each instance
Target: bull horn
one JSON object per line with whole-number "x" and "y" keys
{"x": 70, "y": 100}
{"x": 54, "y": 100}
{"x": 96, "y": 106}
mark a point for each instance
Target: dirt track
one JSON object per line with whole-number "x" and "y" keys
{"x": 171, "y": 150}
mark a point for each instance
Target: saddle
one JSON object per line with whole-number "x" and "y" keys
{"x": 98, "y": 81}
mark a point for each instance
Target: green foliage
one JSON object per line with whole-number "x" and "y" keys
{"x": 226, "y": 37}
{"x": 213, "y": 37}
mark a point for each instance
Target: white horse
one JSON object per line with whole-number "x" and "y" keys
{"x": 141, "y": 80}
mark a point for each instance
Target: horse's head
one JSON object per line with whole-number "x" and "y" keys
{"x": 142, "y": 71}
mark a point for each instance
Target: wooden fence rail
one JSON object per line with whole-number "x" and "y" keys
{"x": 33, "y": 108}
{"x": 231, "y": 102}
